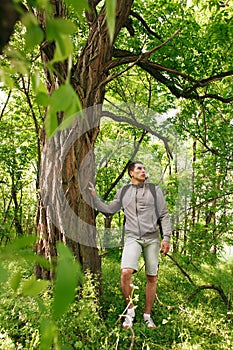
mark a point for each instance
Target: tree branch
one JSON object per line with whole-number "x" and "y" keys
{"x": 5, "y": 105}
{"x": 217, "y": 97}
{"x": 181, "y": 269}
{"x": 171, "y": 81}
{"x": 146, "y": 55}
{"x": 154, "y": 69}
{"x": 217, "y": 288}
{"x": 92, "y": 14}
{"x": 199, "y": 288}
{"x": 36, "y": 125}
{"x": 210, "y": 200}
{"x": 204, "y": 82}
{"x": 145, "y": 25}
{"x": 128, "y": 57}
{"x": 121, "y": 119}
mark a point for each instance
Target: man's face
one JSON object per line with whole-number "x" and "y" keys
{"x": 138, "y": 174}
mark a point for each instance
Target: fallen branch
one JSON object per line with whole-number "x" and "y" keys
{"x": 199, "y": 288}
{"x": 217, "y": 288}
{"x": 181, "y": 269}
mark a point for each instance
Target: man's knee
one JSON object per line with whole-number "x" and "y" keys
{"x": 151, "y": 279}
{"x": 126, "y": 274}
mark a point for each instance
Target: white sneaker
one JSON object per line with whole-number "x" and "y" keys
{"x": 149, "y": 322}
{"x": 128, "y": 322}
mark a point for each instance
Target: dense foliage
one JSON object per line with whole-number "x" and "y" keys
{"x": 19, "y": 169}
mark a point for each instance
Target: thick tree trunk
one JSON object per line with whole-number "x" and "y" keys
{"x": 65, "y": 212}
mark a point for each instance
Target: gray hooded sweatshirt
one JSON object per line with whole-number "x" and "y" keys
{"x": 139, "y": 208}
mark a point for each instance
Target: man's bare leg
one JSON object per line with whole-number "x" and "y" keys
{"x": 150, "y": 298}
{"x": 150, "y": 293}
{"x": 126, "y": 286}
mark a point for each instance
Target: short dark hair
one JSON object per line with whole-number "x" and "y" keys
{"x": 132, "y": 165}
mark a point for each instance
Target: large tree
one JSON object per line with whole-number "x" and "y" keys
{"x": 88, "y": 78}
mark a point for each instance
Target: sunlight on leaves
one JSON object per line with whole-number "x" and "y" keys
{"x": 78, "y": 6}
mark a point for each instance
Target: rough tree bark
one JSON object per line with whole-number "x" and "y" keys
{"x": 67, "y": 162}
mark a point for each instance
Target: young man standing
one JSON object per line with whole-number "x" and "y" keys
{"x": 142, "y": 235}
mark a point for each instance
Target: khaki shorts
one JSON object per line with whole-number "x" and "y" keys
{"x": 132, "y": 250}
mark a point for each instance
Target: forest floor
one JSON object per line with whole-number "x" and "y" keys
{"x": 187, "y": 316}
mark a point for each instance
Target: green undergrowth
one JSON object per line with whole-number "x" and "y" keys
{"x": 205, "y": 322}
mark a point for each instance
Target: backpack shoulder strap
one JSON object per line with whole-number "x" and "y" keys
{"x": 153, "y": 191}
{"x": 123, "y": 192}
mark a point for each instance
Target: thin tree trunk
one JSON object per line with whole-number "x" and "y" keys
{"x": 193, "y": 183}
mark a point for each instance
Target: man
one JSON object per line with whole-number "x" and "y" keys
{"x": 142, "y": 235}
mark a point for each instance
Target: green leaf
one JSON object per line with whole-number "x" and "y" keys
{"x": 51, "y": 123}
{"x": 64, "y": 99}
{"x": 61, "y": 98}
{"x": 20, "y": 64}
{"x": 64, "y": 48}
{"x": 6, "y": 79}
{"x": 48, "y": 332}
{"x": 42, "y": 307}
{"x": 33, "y": 287}
{"x": 74, "y": 105}
{"x": 37, "y": 83}
{"x": 33, "y": 36}
{"x": 37, "y": 259}
{"x": 58, "y": 26}
{"x": 3, "y": 274}
{"x": 28, "y": 18}
{"x": 42, "y": 98}
{"x": 67, "y": 122}
{"x": 15, "y": 281}
{"x": 67, "y": 276}
{"x": 41, "y": 4}
{"x": 32, "y": 2}
{"x": 19, "y": 243}
{"x": 111, "y": 17}
{"x": 60, "y": 30}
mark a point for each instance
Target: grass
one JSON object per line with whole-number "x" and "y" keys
{"x": 203, "y": 323}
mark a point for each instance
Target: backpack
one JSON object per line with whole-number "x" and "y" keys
{"x": 153, "y": 192}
